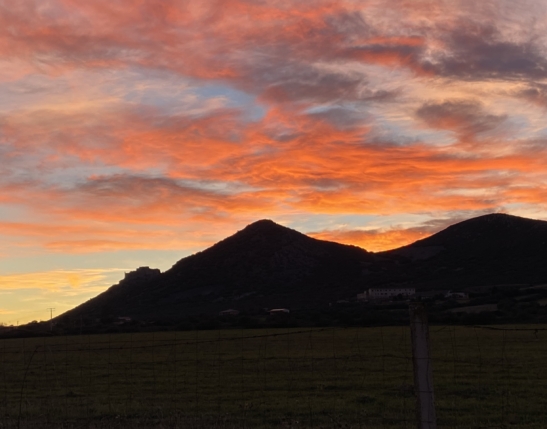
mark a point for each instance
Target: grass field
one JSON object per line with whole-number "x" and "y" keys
{"x": 342, "y": 378}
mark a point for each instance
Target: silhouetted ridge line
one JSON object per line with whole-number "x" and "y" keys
{"x": 266, "y": 265}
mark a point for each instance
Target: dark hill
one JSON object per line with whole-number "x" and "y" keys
{"x": 264, "y": 265}
{"x": 488, "y": 233}
{"x": 267, "y": 265}
{"x": 275, "y": 258}
{"x": 487, "y": 250}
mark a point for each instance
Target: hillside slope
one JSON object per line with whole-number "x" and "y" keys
{"x": 487, "y": 250}
{"x": 264, "y": 265}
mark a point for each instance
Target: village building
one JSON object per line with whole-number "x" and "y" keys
{"x": 456, "y": 295}
{"x": 279, "y": 311}
{"x": 386, "y": 293}
{"x": 122, "y": 320}
{"x": 141, "y": 274}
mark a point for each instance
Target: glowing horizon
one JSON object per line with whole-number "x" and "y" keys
{"x": 138, "y": 132}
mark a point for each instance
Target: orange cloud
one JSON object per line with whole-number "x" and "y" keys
{"x": 323, "y": 129}
{"x": 318, "y": 168}
{"x": 239, "y": 40}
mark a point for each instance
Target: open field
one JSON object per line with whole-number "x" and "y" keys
{"x": 357, "y": 377}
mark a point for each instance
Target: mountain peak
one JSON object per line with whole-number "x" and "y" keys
{"x": 494, "y": 223}
{"x": 266, "y": 229}
{"x": 488, "y": 234}
{"x": 497, "y": 218}
{"x": 263, "y": 224}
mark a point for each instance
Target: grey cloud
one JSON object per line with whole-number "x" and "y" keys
{"x": 138, "y": 187}
{"x": 342, "y": 118}
{"x": 349, "y": 24}
{"x": 475, "y": 51}
{"x": 309, "y": 84}
{"x": 411, "y": 54}
{"x": 304, "y": 82}
{"x": 434, "y": 226}
{"x": 535, "y": 93}
{"x": 465, "y": 117}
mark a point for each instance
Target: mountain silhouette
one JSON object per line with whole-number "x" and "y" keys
{"x": 266, "y": 265}
{"x": 263, "y": 265}
{"x": 486, "y": 250}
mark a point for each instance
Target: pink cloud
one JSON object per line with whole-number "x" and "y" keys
{"x": 317, "y": 79}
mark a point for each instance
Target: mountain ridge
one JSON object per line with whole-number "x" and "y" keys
{"x": 267, "y": 265}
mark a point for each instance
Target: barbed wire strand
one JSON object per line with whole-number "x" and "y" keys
{"x": 383, "y": 375}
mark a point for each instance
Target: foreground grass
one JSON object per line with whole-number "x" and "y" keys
{"x": 358, "y": 377}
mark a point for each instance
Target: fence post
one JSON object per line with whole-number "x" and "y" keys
{"x": 423, "y": 374}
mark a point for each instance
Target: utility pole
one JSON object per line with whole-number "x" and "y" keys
{"x": 50, "y": 318}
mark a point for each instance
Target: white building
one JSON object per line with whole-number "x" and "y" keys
{"x": 389, "y": 292}
{"x": 277, "y": 311}
{"x": 457, "y": 295}
{"x": 122, "y": 320}
{"x": 362, "y": 296}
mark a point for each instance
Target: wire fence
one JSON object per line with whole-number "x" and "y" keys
{"x": 484, "y": 377}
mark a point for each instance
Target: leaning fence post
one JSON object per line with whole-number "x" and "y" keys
{"x": 423, "y": 374}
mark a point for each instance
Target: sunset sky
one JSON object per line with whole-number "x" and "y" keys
{"x": 137, "y": 132}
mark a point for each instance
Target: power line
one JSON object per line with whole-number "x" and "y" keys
{"x": 51, "y": 318}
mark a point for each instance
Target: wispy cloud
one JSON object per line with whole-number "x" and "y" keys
{"x": 58, "y": 279}
{"x": 168, "y": 125}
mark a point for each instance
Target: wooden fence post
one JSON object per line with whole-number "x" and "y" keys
{"x": 423, "y": 374}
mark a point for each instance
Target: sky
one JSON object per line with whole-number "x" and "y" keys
{"x": 137, "y": 132}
